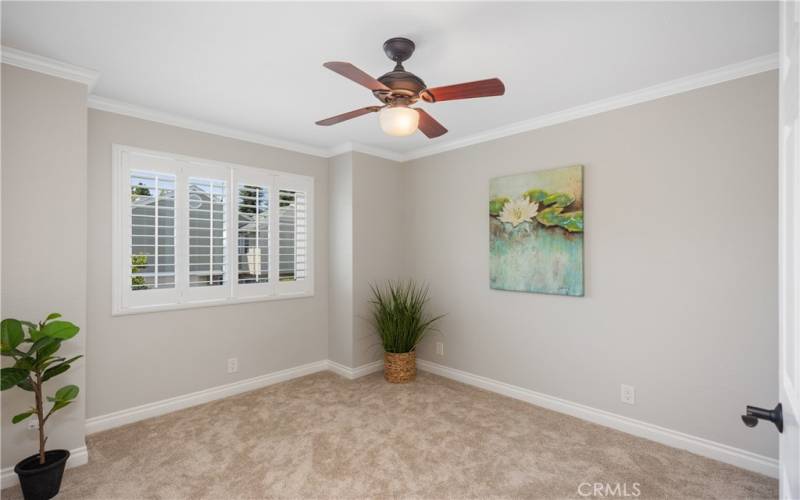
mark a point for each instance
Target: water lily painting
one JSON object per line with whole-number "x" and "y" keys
{"x": 536, "y": 232}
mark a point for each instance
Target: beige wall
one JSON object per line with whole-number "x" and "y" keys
{"x": 367, "y": 228}
{"x": 44, "y": 236}
{"x": 681, "y": 262}
{"x": 379, "y": 242}
{"x": 142, "y": 358}
{"x": 340, "y": 258}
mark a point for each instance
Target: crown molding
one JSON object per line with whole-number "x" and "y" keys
{"x": 354, "y": 147}
{"x": 712, "y": 77}
{"x": 672, "y": 87}
{"x": 33, "y": 62}
{"x": 136, "y": 111}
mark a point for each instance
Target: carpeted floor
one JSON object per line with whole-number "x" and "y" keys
{"x": 323, "y": 436}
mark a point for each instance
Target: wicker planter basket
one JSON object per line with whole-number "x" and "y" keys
{"x": 400, "y": 368}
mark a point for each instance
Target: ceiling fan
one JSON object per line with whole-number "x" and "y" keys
{"x": 399, "y": 89}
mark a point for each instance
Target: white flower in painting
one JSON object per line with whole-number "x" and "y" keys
{"x": 515, "y": 212}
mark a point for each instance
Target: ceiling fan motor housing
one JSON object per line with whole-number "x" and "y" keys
{"x": 405, "y": 85}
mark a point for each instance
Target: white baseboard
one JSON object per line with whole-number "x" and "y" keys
{"x": 354, "y": 373}
{"x": 130, "y": 415}
{"x": 78, "y": 456}
{"x": 707, "y": 448}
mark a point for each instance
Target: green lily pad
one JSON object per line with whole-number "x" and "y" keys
{"x": 496, "y": 205}
{"x": 572, "y": 221}
{"x": 549, "y": 216}
{"x": 559, "y": 199}
{"x": 535, "y": 195}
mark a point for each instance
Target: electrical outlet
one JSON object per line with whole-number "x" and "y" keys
{"x": 233, "y": 365}
{"x": 33, "y": 425}
{"x": 440, "y": 348}
{"x": 627, "y": 394}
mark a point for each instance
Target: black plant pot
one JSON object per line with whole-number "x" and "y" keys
{"x": 41, "y": 482}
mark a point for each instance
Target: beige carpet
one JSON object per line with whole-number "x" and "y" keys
{"x": 323, "y": 436}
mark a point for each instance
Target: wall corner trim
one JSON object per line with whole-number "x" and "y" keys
{"x": 357, "y": 372}
{"x": 77, "y": 456}
{"x": 675, "y": 439}
{"x": 52, "y": 67}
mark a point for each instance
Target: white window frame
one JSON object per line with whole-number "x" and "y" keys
{"x": 127, "y": 301}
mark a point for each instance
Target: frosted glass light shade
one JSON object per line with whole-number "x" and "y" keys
{"x": 398, "y": 120}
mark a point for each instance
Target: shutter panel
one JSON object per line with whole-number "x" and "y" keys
{"x": 207, "y": 199}
{"x": 152, "y": 230}
{"x": 293, "y": 235}
{"x": 253, "y": 234}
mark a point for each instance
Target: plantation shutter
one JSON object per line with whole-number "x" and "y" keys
{"x": 293, "y": 235}
{"x": 152, "y": 230}
{"x": 191, "y": 232}
{"x": 253, "y": 234}
{"x": 207, "y": 232}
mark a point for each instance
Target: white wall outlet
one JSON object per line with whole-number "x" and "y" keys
{"x": 627, "y": 394}
{"x": 33, "y": 424}
{"x": 233, "y": 365}
{"x": 440, "y": 349}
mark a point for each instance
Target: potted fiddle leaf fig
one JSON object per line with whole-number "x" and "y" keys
{"x": 400, "y": 320}
{"x": 33, "y": 347}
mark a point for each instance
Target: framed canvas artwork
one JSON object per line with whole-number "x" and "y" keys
{"x": 536, "y": 232}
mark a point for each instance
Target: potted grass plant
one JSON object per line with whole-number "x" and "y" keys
{"x": 33, "y": 347}
{"x": 400, "y": 320}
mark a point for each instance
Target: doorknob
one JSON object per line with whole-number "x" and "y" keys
{"x": 753, "y": 414}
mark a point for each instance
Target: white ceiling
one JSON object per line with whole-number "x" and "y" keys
{"x": 257, "y": 67}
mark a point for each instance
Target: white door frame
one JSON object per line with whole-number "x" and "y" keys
{"x": 789, "y": 246}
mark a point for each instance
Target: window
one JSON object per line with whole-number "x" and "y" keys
{"x": 191, "y": 232}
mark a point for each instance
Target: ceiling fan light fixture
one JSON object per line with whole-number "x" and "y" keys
{"x": 398, "y": 121}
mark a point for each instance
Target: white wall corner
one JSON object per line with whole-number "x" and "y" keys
{"x": 52, "y": 67}
{"x": 676, "y": 439}
{"x": 357, "y": 372}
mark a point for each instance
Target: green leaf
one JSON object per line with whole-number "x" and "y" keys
{"x": 58, "y": 405}
{"x": 26, "y": 385}
{"x": 22, "y": 416}
{"x": 55, "y": 370}
{"x": 52, "y": 316}
{"x": 535, "y": 195}
{"x": 559, "y": 199}
{"x": 9, "y": 377}
{"x": 49, "y": 349}
{"x": 572, "y": 221}
{"x": 67, "y": 393}
{"x": 33, "y": 331}
{"x": 25, "y": 363}
{"x": 496, "y": 205}
{"x": 44, "y": 346}
{"x": 549, "y": 216}
{"x": 62, "y": 330}
{"x": 11, "y": 334}
{"x": 70, "y": 360}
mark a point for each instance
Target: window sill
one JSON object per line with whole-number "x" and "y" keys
{"x": 208, "y": 303}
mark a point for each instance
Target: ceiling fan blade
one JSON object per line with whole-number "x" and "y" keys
{"x": 347, "y": 70}
{"x": 429, "y": 126}
{"x": 348, "y": 116}
{"x": 481, "y": 88}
